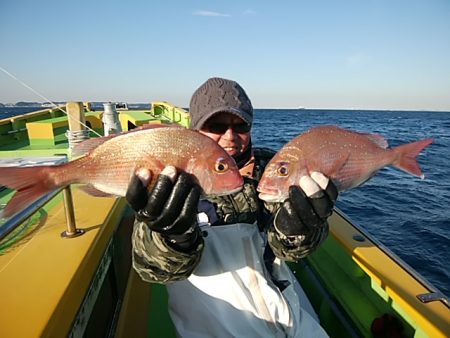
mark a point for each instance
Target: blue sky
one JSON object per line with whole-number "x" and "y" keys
{"x": 367, "y": 54}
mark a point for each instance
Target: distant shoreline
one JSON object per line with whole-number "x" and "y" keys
{"x": 301, "y": 109}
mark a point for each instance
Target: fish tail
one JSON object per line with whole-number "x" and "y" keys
{"x": 406, "y": 159}
{"x": 31, "y": 183}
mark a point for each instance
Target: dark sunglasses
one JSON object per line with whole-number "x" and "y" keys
{"x": 221, "y": 128}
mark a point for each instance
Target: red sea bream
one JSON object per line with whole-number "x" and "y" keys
{"x": 112, "y": 160}
{"x": 348, "y": 158}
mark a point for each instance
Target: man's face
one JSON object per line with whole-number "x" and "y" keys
{"x": 229, "y": 131}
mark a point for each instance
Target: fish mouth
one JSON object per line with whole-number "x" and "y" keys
{"x": 273, "y": 198}
{"x": 270, "y": 194}
{"x": 235, "y": 190}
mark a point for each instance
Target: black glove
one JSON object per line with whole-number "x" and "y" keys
{"x": 170, "y": 208}
{"x": 302, "y": 221}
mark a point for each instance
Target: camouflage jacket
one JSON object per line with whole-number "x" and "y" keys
{"x": 156, "y": 261}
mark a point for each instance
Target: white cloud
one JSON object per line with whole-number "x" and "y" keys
{"x": 210, "y": 13}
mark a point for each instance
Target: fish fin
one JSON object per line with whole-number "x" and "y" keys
{"x": 378, "y": 140}
{"x": 84, "y": 147}
{"x": 31, "y": 184}
{"x": 91, "y": 190}
{"x": 331, "y": 168}
{"x": 336, "y": 166}
{"x": 158, "y": 125}
{"x": 407, "y": 153}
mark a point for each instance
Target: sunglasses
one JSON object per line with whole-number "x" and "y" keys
{"x": 221, "y": 128}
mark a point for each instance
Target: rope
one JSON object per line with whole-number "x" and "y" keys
{"x": 75, "y": 137}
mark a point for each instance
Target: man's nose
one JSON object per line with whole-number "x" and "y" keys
{"x": 229, "y": 133}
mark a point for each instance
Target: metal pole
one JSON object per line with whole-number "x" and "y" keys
{"x": 72, "y": 230}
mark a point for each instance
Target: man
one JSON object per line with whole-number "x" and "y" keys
{"x": 222, "y": 257}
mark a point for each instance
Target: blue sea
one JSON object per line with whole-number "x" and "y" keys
{"x": 408, "y": 215}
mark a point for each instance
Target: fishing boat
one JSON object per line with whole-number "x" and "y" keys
{"x": 65, "y": 260}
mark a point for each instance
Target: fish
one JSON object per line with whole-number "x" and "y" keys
{"x": 348, "y": 158}
{"x": 111, "y": 161}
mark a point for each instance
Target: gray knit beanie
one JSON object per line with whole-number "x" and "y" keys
{"x": 219, "y": 95}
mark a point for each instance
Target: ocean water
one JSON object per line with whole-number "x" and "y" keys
{"x": 408, "y": 215}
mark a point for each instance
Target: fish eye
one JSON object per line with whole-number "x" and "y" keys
{"x": 221, "y": 166}
{"x": 283, "y": 169}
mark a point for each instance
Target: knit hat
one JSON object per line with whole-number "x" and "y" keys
{"x": 219, "y": 95}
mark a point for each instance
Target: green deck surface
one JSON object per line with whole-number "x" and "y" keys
{"x": 24, "y": 149}
{"x": 143, "y": 115}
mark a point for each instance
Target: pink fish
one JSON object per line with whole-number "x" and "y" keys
{"x": 348, "y": 158}
{"x": 112, "y": 160}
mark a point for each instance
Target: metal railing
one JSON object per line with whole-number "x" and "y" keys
{"x": 17, "y": 219}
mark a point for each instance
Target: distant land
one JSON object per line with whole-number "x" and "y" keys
{"x": 50, "y": 105}
{"x": 98, "y": 105}
{"x": 29, "y": 104}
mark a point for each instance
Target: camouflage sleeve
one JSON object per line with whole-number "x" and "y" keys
{"x": 281, "y": 249}
{"x": 155, "y": 261}
{"x": 294, "y": 249}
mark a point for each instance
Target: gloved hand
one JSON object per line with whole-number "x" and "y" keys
{"x": 170, "y": 208}
{"x": 302, "y": 218}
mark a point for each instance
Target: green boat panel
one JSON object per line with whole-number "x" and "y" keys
{"x": 159, "y": 323}
{"x": 171, "y": 113}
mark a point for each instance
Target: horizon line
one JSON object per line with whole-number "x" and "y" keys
{"x": 38, "y": 105}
